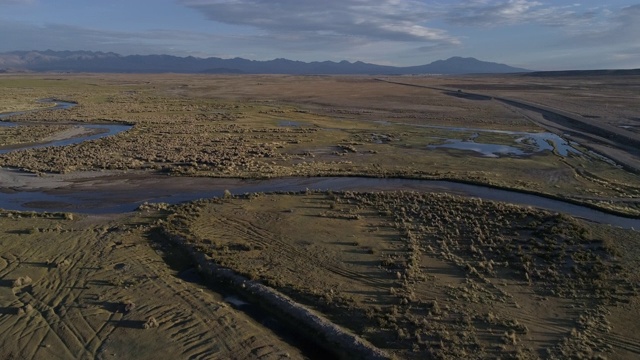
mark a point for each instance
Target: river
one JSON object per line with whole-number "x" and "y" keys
{"x": 109, "y": 192}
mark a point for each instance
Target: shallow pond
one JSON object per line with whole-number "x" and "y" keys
{"x": 530, "y": 142}
{"x": 289, "y": 123}
{"x": 487, "y": 150}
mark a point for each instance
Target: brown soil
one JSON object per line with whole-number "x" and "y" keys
{"x": 95, "y": 283}
{"x": 429, "y": 275}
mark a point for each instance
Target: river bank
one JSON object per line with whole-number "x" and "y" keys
{"x": 119, "y": 191}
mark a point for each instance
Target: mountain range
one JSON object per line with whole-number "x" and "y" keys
{"x": 101, "y": 62}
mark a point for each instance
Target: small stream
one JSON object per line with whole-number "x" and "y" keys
{"x": 59, "y": 105}
{"x": 96, "y": 131}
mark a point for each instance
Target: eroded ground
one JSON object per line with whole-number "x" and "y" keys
{"x": 75, "y": 287}
{"x": 422, "y": 275}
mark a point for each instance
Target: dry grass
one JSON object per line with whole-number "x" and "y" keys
{"x": 423, "y": 275}
{"x": 28, "y": 134}
{"x": 226, "y": 126}
{"x": 419, "y": 275}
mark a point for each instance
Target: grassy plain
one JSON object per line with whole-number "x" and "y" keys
{"x": 272, "y": 126}
{"x": 414, "y": 274}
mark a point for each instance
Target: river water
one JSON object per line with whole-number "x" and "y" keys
{"x": 125, "y": 192}
{"x": 59, "y": 105}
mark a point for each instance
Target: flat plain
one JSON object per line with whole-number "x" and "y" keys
{"x": 410, "y": 274}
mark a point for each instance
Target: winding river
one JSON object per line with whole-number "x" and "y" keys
{"x": 94, "y": 131}
{"x": 118, "y": 192}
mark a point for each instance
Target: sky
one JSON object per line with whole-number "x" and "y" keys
{"x": 533, "y": 34}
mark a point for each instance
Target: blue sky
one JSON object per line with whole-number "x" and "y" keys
{"x": 535, "y": 34}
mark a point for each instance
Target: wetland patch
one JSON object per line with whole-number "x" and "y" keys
{"x": 529, "y": 142}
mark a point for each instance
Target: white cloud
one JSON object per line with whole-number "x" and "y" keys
{"x": 400, "y": 32}
{"x": 490, "y": 13}
{"x": 613, "y": 41}
{"x": 630, "y": 55}
{"x": 335, "y": 20}
{"x": 623, "y": 27}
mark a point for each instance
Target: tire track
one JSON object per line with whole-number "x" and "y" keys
{"x": 97, "y": 340}
{"x": 623, "y": 342}
{"x": 65, "y": 298}
{"x": 253, "y": 233}
{"x": 73, "y": 342}
{"x": 32, "y": 334}
{"x": 9, "y": 265}
{"x": 197, "y": 329}
{"x": 57, "y": 293}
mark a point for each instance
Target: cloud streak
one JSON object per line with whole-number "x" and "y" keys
{"x": 525, "y": 33}
{"x": 486, "y": 13}
{"x": 374, "y": 20}
{"x": 623, "y": 27}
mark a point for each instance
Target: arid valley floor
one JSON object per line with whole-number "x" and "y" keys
{"x": 183, "y": 236}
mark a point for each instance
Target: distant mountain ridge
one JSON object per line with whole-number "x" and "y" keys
{"x": 567, "y": 73}
{"x": 88, "y": 61}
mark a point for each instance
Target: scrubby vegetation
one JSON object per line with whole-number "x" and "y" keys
{"x": 423, "y": 274}
{"x": 419, "y": 275}
{"x": 28, "y": 134}
{"x": 255, "y": 127}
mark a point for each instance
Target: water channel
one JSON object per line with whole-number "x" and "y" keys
{"x": 94, "y": 131}
{"x": 123, "y": 192}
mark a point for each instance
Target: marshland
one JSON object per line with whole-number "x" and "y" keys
{"x": 405, "y": 271}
